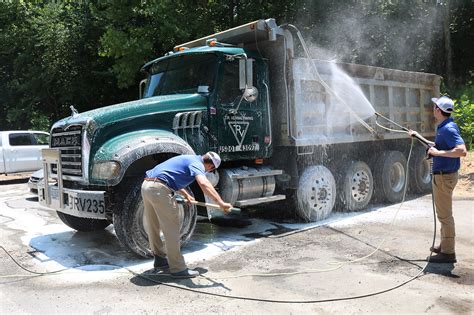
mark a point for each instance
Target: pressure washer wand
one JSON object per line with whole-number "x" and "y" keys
{"x": 427, "y": 143}
{"x": 181, "y": 200}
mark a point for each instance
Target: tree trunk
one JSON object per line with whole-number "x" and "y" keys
{"x": 447, "y": 44}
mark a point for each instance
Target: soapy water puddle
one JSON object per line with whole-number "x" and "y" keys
{"x": 49, "y": 245}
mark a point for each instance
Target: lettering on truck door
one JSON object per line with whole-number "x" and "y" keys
{"x": 241, "y": 125}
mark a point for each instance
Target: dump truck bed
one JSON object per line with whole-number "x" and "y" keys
{"x": 317, "y": 117}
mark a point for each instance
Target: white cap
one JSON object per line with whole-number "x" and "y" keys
{"x": 216, "y": 159}
{"x": 444, "y": 103}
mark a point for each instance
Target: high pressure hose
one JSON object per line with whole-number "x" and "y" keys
{"x": 250, "y": 298}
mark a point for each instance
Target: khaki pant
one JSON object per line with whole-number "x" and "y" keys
{"x": 443, "y": 186}
{"x": 162, "y": 214}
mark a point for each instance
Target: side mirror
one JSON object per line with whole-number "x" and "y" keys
{"x": 246, "y": 79}
{"x": 141, "y": 88}
{"x": 250, "y": 94}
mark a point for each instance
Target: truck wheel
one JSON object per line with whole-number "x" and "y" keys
{"x": 420, "y": 171}
{"x": 390, "y": 173}
{"x": 356, "y": 187}
{"x": 316, "y": 194}
{"x": 129, "y": 225}
{"x": 83, "y": 224}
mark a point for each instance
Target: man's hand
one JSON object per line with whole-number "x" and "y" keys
{"x": 433, "y": 151}
{"x": 413, "y": 133}
{"x": 190, "y": 199}
{"x": 225, "y": 206}
{"x": 186, "y": 195}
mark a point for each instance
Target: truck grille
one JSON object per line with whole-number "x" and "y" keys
{"x": 69, "y": 141}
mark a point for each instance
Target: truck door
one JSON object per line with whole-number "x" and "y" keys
{"x": 2, "y": 160}
{"x": 22, "y": 153}
{"x": 242, "y": 126}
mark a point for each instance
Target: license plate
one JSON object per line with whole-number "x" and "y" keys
{"x": 84, "y": 204}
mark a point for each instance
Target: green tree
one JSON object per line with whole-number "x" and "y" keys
{"x": 50, "y": 62}
{"x": 140, "y": 31}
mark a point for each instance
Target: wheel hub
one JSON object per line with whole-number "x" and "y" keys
{"x": 360, "y": 185}
{"x": 397, "y": 177}
{"x": 321, "y": 194}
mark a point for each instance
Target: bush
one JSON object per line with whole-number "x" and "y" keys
{"x": 464, "y": 114}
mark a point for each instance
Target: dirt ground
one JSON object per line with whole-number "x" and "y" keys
{"x": 465, "y": 186}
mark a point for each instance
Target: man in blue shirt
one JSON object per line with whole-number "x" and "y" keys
{"x": 161, "y": 213}
{"x": 446, "y": 152}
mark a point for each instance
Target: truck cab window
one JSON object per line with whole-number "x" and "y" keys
{"x": 20, "y": 139}
{"x": 182, "y": 75}
{"x": 41, "y": 139}
{"x": 229, "y": 91}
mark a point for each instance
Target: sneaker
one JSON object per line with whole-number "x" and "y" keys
{"x": 160, "y": 263}
{"x": 435, "y": 249}
{"x": 185, "y": 274}
{"x": 442, "y": 258}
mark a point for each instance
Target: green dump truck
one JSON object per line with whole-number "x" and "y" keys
{"x": 250, "y": 95}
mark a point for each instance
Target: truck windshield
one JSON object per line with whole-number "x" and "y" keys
{"x": 181, "y": 75}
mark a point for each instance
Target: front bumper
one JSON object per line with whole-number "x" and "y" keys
{"x": 78, "y": 203}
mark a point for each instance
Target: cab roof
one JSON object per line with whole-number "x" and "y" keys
{"x": 198, "y": 50}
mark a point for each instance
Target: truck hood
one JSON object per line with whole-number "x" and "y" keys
{"x": 140, "y": 108}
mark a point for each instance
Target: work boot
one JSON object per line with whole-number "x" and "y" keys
{"x": 160, "y": 263}
{"x": 435, "y": 249}
{"x": 185, "y": 274}
{"x": 442, "y": 258}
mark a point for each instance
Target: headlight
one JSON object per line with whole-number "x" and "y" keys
{"x": 105, "y": 170}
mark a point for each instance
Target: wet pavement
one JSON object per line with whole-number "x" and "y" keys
{"x": 102, "y": 277}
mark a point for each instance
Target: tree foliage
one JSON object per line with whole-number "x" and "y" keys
{"x": 89, "y": 54}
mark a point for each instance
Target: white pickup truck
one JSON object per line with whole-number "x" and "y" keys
{"x": 20, "y": 151}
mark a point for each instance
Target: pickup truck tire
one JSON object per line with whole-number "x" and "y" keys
{"x": 83, "y": 224}
{"x": 356, "y": 186}
{"x": 420, "y": 171}
{"x": 128, "y": 219}
{"x": 390, "y": 176}
{"x": 316, "y": 193}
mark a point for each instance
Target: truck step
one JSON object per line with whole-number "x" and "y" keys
{"x": 256, "y": 201}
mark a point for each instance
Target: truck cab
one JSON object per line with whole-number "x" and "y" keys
{"x": 242, "y": 125}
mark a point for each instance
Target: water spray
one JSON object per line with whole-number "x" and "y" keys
{"x": 420, "y": 138}
{"x": 325, "y": 85}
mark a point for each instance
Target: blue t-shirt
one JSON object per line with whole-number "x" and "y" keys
{"x": 447, "y": 137}
{"x": 179, "y": 171}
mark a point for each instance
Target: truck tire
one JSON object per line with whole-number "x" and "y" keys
{"x": 355, "y": 187}
{"x": 390, "y": 176}
{"x": 128, "y": 219}
{"x": 83, "y": 224}
{"x": 316, "y": 194}
{"x": 420, "y": 171}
